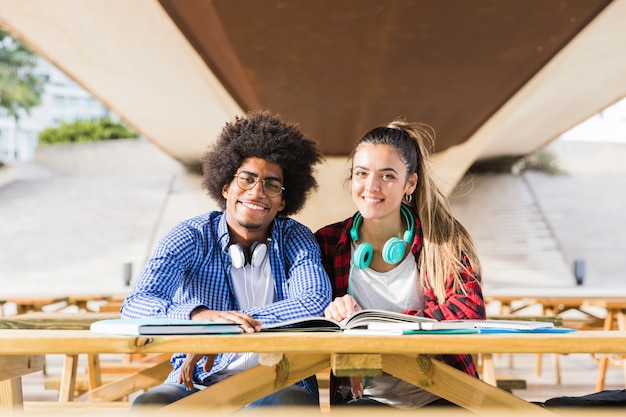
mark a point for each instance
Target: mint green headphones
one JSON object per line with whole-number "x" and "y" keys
{"x": 393, "y": 249}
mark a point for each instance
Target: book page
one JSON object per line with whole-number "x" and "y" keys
{"x": 364, "y": 318}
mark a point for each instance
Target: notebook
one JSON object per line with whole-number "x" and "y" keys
{"x": 162, "y": 326}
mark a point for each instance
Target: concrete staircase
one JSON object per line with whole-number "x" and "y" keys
{"x": 515, "y": 243}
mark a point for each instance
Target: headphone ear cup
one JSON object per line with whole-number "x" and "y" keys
{"x": 258, "y": 251}
{"x": 363, "y": 254}
{"x": 239, "y": 255}
{"x": 393, "y": 251}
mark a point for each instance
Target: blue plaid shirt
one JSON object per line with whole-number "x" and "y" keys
{"x": 190, "y": 267}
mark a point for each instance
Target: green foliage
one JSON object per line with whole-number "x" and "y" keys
{"x": 543, "y": 160}
{"x": 20, "y": 87}
{"x": 85, "y": 131}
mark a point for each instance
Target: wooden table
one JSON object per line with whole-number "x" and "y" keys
{"x": 554, "y": 301}
{"x": 38, "y": 303}
{"x": 289, "y": 357}
{"x": 54, "y": 320}
{"x": 145, "y": 373}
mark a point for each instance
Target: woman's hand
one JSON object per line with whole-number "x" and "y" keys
{"x": 248, "y": 323}
{"x": 357, "y": 385}
{"x": 342, "y": 307}
{"x": 188, "y": 367}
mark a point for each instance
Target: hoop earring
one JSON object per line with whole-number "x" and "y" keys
{"x": 408, "y": 198}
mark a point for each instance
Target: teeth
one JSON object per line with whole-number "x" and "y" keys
{"x": 253, "y": 206}
{"x": 372, "y": 200}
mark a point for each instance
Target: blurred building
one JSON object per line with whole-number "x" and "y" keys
{"x": 63, "y": 101}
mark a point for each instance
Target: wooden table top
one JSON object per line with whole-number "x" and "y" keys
{"x": 25, "y": 341}
{"x": 54, "y": 320}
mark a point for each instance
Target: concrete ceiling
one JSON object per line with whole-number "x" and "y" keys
{"x": 496, "y": 78}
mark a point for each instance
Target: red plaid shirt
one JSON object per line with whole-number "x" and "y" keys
{"x": 335, "y": 243}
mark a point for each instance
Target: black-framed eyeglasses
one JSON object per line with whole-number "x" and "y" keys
{"x": 271, "y": 187}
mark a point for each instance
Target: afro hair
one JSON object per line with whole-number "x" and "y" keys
{"x": 263, "y": 135}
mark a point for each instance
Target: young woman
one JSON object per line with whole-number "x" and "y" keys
{"x": 402, "y": 251}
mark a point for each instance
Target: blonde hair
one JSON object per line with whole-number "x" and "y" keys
{"x": 447, "y": 247}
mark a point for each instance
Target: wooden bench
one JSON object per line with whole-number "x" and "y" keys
{"x": 557, "y": 301}
{"x": 24, "y": 304}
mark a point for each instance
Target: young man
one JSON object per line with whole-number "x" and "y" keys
{"x": 248, "y": 264}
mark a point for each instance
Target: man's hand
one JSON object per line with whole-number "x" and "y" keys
{"x": 248, "y": 323}
{"x": 188, "y": 366}
{"x": 342, "y": 307}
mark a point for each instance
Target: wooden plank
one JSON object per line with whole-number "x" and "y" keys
{"x": 93, "y": 370}
{"x": 456, "y": 386}
{"x": 11, "y": 398}
{"x": 55, "y": 320}
{"x": 35, "y": 302}
{"x": 238, "y": 390}
{"x": 12, "y": 368}
{"x": 509, "y": 383}
{"x": 488, "y": 369}
{"x": 81, "y": 300}
{"x": 82, "y": 385}
{"x": 111, "y": 307}
{"x": 356, "y": 364}
{"x": 146, "y": 378}
{"x": 82, "y": 341}
{"x": 68, "y": 380}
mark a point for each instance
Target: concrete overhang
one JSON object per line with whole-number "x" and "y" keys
{"x": 494, "y": 78}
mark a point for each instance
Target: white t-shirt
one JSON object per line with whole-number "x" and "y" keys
{"x": 395, "y": 290}
{"x": 253, "y": 287}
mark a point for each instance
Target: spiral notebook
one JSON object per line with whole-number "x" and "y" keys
{"x": 513, "y": 324}
{"x": 510, "y": 326}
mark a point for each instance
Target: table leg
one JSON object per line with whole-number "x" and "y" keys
{"x": 456, "y": 386}
{"x": 11, "y": 395}
{"x": 621, "y": 325}
{"x": 489, "y": 372}
{"x": 68, "y": 379}
{"x": 604, "y": 361}
{"x": 93, "y": 371}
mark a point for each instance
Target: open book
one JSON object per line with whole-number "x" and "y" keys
{"x": 162, "y": 326}
{"x": 371, "y": 319}
{"x": 381, "y": 322}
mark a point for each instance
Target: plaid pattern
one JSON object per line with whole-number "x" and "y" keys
{"x": 190, "y": 267}
{"x": 335, "y": 244}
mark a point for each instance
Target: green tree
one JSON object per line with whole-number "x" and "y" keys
{"x": 20, "y": 87}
